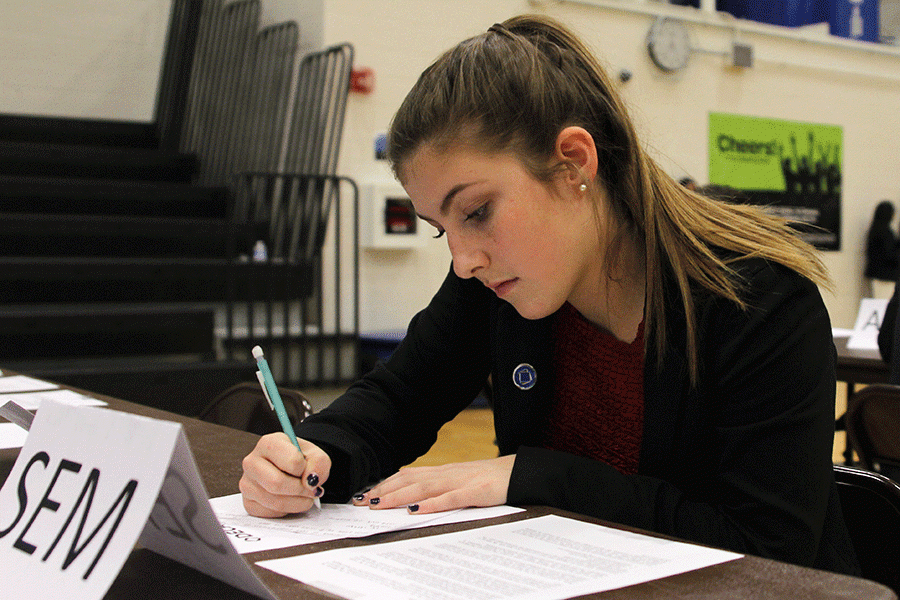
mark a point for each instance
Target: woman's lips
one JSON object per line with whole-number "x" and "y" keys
{"x": 501, "y": 288}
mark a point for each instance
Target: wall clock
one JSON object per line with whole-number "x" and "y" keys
{"x": 669, "y": 44}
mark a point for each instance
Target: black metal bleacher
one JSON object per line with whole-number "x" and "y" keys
{"x": 125, "y": 247}
{"x": 112, "y": 263}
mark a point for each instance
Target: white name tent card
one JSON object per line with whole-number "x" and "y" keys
{"x": 12, "y": 436}
{"x": 87, "y": 485}
{"x": 14, "y": 413}
{"x": 868, "y": 323}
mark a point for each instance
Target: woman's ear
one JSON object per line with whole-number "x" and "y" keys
{"x": 575, "y": 147}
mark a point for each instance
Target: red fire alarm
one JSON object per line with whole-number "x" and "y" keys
{"x": 362, "y": 80}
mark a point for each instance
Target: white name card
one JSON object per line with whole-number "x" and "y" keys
{"x": 868, "y": 323}
{"x": 88, "y": 482}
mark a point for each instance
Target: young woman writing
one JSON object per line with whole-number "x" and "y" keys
{"x": 658, "y": 358}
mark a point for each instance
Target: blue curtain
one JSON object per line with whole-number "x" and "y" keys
{"x": 789, "y": 13}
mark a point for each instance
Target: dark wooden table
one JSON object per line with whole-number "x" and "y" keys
{"x": 857, "y": 367}
{"x": 219, "y": 450}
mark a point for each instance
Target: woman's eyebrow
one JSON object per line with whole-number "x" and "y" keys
{"x": 448, "y": 199}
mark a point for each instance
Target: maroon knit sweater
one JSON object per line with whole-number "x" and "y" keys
{"x": 598, "y": 409}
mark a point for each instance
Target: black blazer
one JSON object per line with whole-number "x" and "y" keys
{"x": 742, "y": 461}
{"x": 881, "y": 253}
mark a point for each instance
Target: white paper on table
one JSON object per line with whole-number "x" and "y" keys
{"x": 331, "y": 522}
{"x": 12, "y": 436}
{"x": 32, "y": 400}
{"x": 24, "y": 383}
{"x": 545, "y": 558}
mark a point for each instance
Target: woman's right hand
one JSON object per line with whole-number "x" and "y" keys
{"x": 278, "y": 480}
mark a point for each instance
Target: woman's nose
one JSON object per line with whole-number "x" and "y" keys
{"x": 468, "y": 257}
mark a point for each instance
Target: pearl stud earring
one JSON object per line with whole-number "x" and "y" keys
{"x": 583, "y": 187}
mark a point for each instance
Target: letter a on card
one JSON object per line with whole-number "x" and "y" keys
{"x": 868, "y": 323}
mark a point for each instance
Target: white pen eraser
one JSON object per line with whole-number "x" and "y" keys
{"x": 257, "y": 352}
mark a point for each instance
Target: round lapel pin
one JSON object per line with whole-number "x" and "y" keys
{"x": 524, "y": 376}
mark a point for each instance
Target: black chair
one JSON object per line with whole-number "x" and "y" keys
{"x": 871, "y": 507}
{"x": 873, "y": 428}
{"x": 244, "y": 406}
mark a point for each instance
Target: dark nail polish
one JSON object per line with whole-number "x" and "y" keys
{"x": 319, "y": 491}
{"x": 359, "y": 497}
{"x": 312, "y": 479}
{"x": 413, "y": 507}
{"x": 374, "y": 500}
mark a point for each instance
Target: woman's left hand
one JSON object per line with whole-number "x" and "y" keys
{"x": 448, "y": 487}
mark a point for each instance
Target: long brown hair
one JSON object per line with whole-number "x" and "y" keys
{"x": 515, "y": 87}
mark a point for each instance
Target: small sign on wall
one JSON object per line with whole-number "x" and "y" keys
{"x": 389, "y": 220}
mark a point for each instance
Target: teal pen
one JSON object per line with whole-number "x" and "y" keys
{"x": 270, "y": 391}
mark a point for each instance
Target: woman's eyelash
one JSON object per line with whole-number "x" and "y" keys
{"x": 478, "y": 214}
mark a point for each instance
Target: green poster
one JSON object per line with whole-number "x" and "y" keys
{"x": 792, "y": 168}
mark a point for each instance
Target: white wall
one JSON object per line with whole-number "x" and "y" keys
{"x": 890, "y": 19}
{"x": 101, "y": 59}
{"x": 791, "y": 79}
{"x": 309, "y": 15}
{"x": 78, "y": 58}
